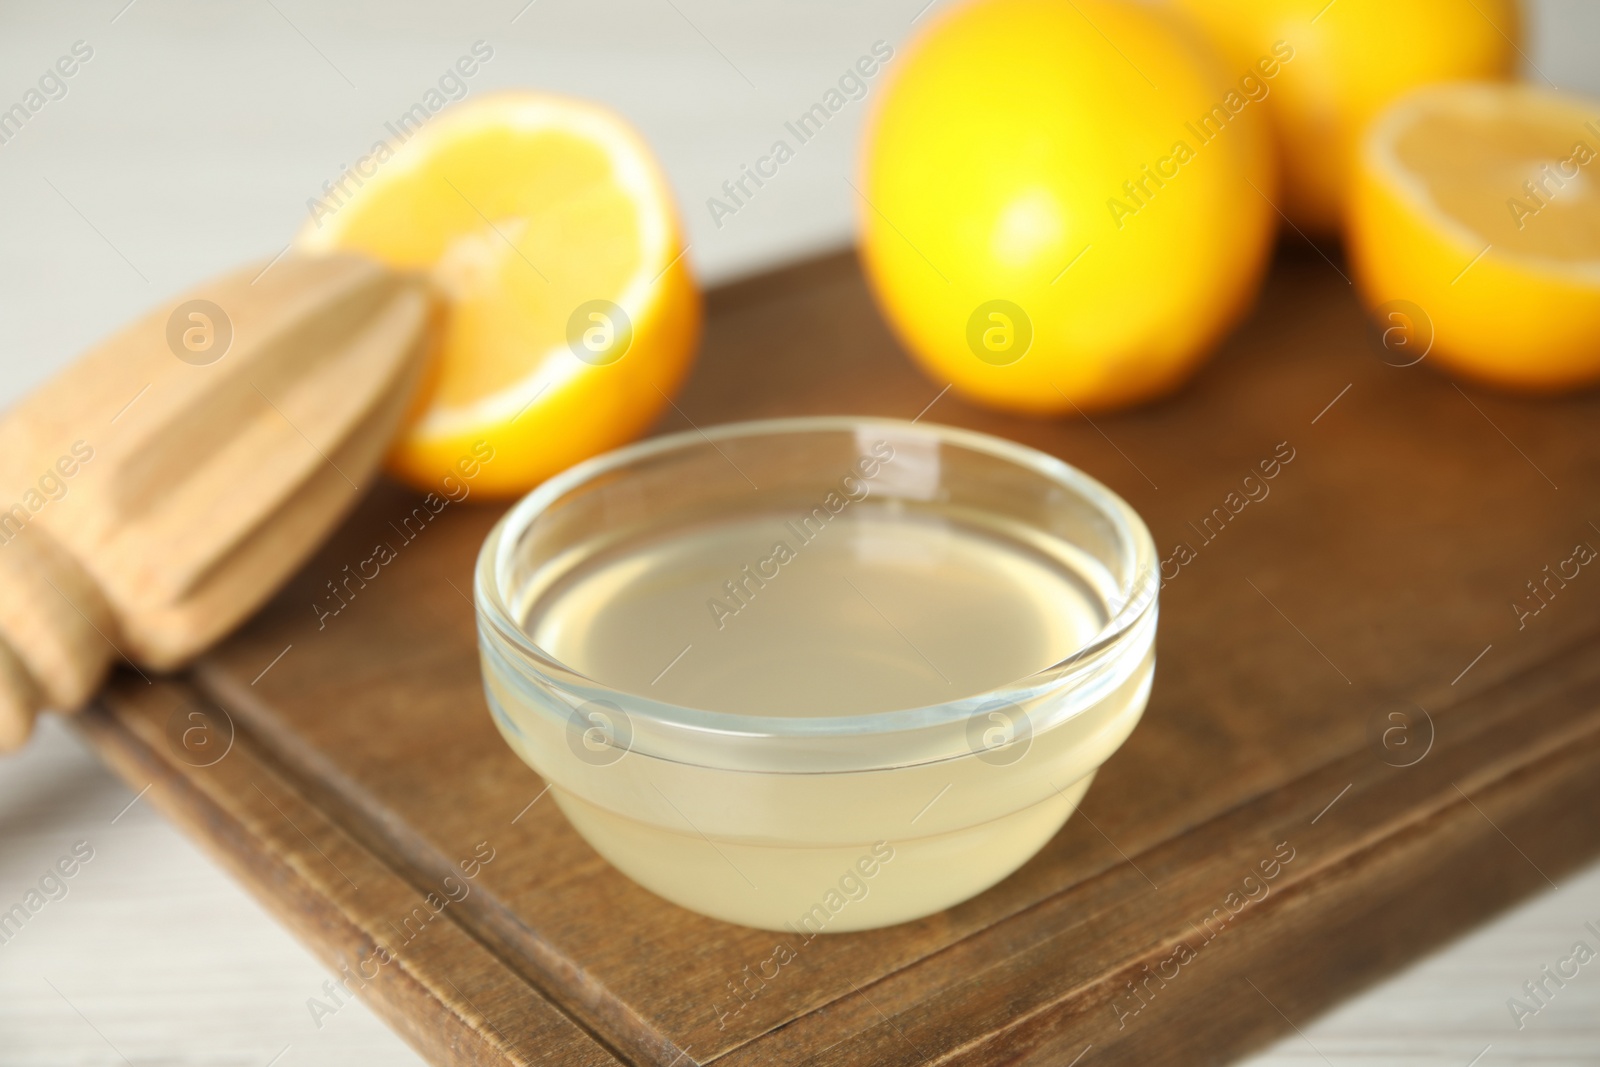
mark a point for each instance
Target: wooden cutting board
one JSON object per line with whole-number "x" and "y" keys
{"x": 1357, "y": 747}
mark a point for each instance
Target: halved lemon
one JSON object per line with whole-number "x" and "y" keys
{"x": 571, "y": 315}
{"x": 1479, "y": 203}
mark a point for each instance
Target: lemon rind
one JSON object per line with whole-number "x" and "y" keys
{"x": 633, "y": 170}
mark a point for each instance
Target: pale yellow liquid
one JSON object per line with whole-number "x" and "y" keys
{"x": 880, "y": 610}
{"x": 876, "y": 612}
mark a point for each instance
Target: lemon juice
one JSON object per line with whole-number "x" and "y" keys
{"x": 879, "y": 610}
{"x": 822, "y": 705}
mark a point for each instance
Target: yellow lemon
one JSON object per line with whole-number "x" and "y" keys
{"x": 1475, "y": 225}
{"x": 1058, "y": 211}
{"x": 1342, "y": 61}
{"x": 571, "y": 314}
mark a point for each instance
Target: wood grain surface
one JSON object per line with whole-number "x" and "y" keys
{"x": 1376, "y": 577}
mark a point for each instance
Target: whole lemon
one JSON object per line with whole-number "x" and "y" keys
{"x": 1063, "y": 205}
{"x": 1351, "y": 58}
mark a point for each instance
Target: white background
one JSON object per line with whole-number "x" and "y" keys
{"x": 191, "y": 142}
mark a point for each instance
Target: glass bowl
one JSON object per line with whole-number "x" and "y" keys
{"x": 819, "y": 674}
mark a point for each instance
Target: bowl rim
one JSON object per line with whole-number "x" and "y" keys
{"x": 1135, "y": 614}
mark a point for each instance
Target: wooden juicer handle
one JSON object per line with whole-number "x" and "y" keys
{"x": 159, "y": 489}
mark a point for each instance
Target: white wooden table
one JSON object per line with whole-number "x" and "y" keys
{"x": 192, "y": 139}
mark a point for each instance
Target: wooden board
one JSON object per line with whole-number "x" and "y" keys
{"x": 1377, "y": 577}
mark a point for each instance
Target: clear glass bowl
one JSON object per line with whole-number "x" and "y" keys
{"x": 820, "y": 817}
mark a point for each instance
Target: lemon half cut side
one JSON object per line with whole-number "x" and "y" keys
{"x": 1479, "y": 203}
{"x": 571, "y": 314}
